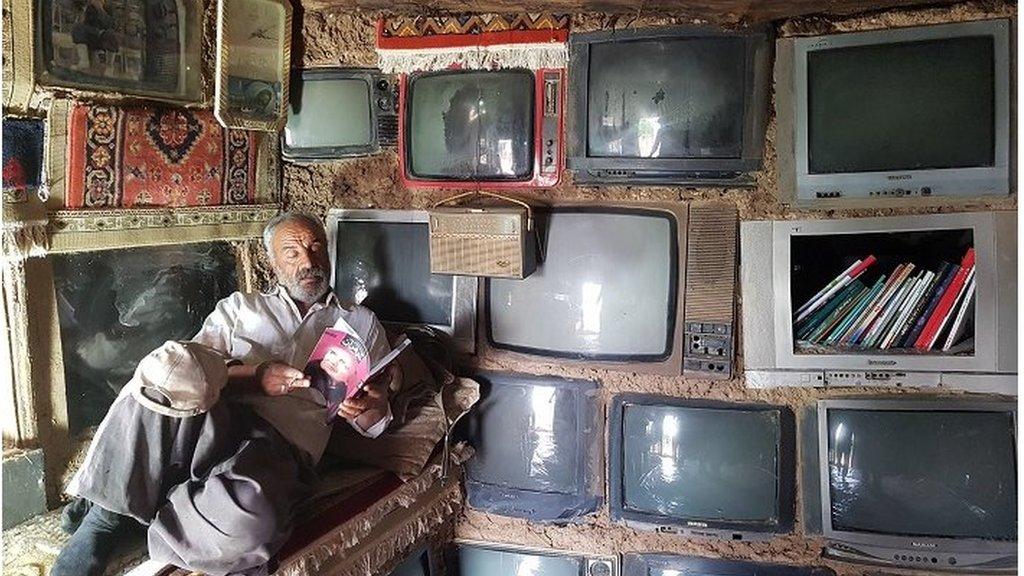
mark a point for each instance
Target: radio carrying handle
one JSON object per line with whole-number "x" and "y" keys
{"x": 529, "y": 210}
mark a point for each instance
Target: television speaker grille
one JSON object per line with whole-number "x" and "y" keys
{"x": 709, "y": 299}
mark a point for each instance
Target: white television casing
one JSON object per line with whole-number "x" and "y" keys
{"x": 797, "y": 185}
{"x": 768, "y": 352}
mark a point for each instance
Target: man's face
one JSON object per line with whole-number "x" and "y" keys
{"x": 338, "y": 364}
{"x": 300, "y": 260}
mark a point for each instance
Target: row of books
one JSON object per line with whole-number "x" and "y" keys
{"x": 909, "y": 308}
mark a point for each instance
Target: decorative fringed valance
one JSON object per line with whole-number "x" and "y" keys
{"x": 483, "y": 41}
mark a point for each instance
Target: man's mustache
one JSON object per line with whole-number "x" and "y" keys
{"x": 311, "y": 273}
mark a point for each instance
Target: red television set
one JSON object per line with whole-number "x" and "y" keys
{"x": 481, "y": 128}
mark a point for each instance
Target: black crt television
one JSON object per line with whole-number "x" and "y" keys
{"x": 915, "y": 483}
{"x": 674, "y": 565}
{"x": 339, "y": 113}
{"x": 538, "y": 447}
{"x": 701, "y": 467}
{"x": 673, "y": 105}
{"x": 381, "y": 259}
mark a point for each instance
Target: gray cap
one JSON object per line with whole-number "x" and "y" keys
{"x": 180, "y": 379}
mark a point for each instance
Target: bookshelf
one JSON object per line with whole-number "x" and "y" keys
{"x": 901, "y": 292}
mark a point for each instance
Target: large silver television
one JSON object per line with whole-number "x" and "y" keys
{"x": 474, "y": 558}
{"x": 884, "y": 117}
{"x": 785, "y": 262}
{"x": 381, "y": 259}
{"x": 916, "y": 483}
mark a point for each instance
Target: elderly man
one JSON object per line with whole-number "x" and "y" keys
{"x": 217, "y": 490}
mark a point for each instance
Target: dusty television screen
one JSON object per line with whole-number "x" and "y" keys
{"x": 115, "y": 306}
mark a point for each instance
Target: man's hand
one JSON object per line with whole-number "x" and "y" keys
{"x": 277, "y": 378}
{"x": 368, "y": 407}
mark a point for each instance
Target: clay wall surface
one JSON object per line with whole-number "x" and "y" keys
{"x": 339, "y": 37}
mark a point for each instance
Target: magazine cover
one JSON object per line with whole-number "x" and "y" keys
{"x": 337, "y": 367}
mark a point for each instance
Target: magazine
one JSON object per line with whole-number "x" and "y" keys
{"x": 339, "y": 366}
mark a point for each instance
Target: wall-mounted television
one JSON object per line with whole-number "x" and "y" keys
{"x": 916, "y": 483}
{"x": 538, "y": 443}
{"x": 338, "y": 113}
{"x": 469, "y": 558}
{"x": 636, "y": 287}
{"x": 875, "y": 118}
{"x": 701, "y": 467}
{"x": 116, "y": 306}
{"x": 381, "y": 259}
{"x": 787, "y": 263}
{"x": 494, "y": 128}
{"x": 675, "y": 565}
{"x": 673, "y": 105}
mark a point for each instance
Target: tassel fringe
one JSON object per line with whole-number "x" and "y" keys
{"x": 530, "y": 56}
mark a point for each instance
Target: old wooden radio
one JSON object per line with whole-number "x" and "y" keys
{"x": 495, "y": 241}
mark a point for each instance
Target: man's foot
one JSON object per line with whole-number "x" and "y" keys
{"x": 72, "y": 515}
{"x": 91, "y": 546}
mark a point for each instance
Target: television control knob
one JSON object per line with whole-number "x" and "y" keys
{"x": 549, "y": 160}
{"x": 550, "y": 142}
{"x": 382, "y": 103}
{"x": 382, "y": 84}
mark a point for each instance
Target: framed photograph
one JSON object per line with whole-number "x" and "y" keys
{"x": 253, "y": 56}
{"x": 149, "y": 48}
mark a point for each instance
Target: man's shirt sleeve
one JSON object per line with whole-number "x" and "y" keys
{"x": 218, "y": 327}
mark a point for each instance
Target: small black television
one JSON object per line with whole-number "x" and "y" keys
{"x": 673, "y": 105}
{"x": 339, "y": 113}
{"x": 701, "y": 467}
{"x": 538, "y": 443}
{"x": 673, "y": 565}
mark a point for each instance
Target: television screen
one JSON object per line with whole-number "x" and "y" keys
{"x": 486, "y": 561}
{"x": 675, "y": 461}
{"x": 902, "y": 106}
{"x": 471, "y": 125}
{"x": 385, "y": 266}
{"x": 417, "y": 564}
{"x": 329, "y": 113}
{"x": 537, "y": 443}
{"x": 606, "y": 289}
{"x": 667, "y": 98}
{"x": 116, "y": 306}
{"x": 942, "y": 474}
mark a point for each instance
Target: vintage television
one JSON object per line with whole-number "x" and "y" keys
{"x": 470, "y": 558}
{"x": 338, "y": 113}
{"x": 115, "y": 306}
{"x": 925, "y": 483}
{"x": 674, "y": 105}
{"x": 539, "y": 447}
{"x": 381, "y": 259}
{"x": 786, "y": 262}
{"x": 701, "y": 467}
{"x": 495, "y": 128}
{"x": 874, "y": 118}
{"x": 675, "y": 565}
{"x": 635, "y": 287}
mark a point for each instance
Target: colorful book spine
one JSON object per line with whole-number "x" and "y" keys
{"x": 855, "y": 313}
{"x": 933, "y": 300}
{"x": 891, "y": 308}
{"x": 908, "y": 324}
{"x": 924, "y": 280}
{"x": 838, "y": 313}
{"x": 862, "y": 323}
{"x": 960, "y": 323}
{"x": 845, "y": 279}
{"x": 938, "y": 316}
{"x": 954, "y": 309}
{"x": 878, "y": 310}
{"x": 816, "y": 319}
{"x": 825, "y": 290}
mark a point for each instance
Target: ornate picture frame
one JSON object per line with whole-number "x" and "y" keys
{"x": 253, "y": 60}
{"x": 146, "y": 48}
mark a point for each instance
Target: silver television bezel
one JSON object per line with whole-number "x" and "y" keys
{"x": 995, "y": 351}
{"x": 612, "y": 561}
{"x": 970, "y": 553}
{"x": 464, "y": 302}
{"x": 946, "y": 184}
